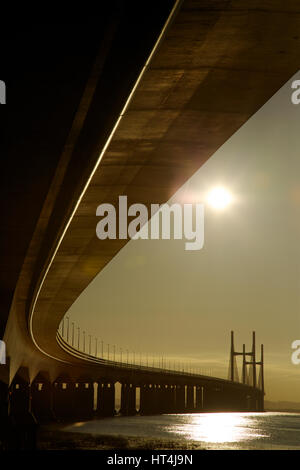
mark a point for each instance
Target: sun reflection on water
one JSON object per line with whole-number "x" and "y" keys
{"x": 218, "y": 428}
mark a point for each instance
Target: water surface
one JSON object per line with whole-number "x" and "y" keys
{"x": 270, "y": 430}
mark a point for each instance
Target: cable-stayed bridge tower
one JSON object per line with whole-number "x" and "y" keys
{"x": 249, "y": 371}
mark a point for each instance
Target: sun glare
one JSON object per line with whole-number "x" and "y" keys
{"x": 219, "y": 198}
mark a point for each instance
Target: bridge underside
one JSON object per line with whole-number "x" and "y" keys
{"x": 216, "y": 65}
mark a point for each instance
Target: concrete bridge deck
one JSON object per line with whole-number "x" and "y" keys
{"x": 207, "y": 75}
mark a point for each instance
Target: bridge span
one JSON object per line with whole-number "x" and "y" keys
{"x": 105, "y": 388}
{"x": 137, "y": 121}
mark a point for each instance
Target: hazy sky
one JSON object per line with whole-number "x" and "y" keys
{"x": 155, "y": 297}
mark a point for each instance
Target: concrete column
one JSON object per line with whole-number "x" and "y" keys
{"x": 180, "y": 398}
{"x": 42, "y": 401}
{"x": 128, "y": 399}
{"x": 163, "y": 398}
{"x": 159, "y": 399}
{"x": 64, "y": 399}
{"x": 262, "y": 401}
{"x": 106, "y": 399}
{"x": 199, "y": 405}
{"x": 4, "y": 426}
{"x": 167, "y": 399}
{"x": 147, "y": 399}
{"x": 212, "y": 399}
{"x": 151, "y": 399}
{"x": 84, "y": 399}
{"x": 190, "y": 398}
{"x": 19, "y": 397}
{"x": 254, "y": 401}
{"x": 171, "y": 399}
{"x": 3, "y": 398}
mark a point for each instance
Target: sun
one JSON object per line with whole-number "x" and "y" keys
{"x": 219, "y": 198}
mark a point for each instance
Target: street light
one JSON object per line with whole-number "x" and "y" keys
{"x": 68, "y": 319}
{"x": 72, "y": 334}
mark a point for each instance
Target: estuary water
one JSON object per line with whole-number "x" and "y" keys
{"x": 269, "y": 430}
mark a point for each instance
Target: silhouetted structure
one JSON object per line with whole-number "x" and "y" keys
{"x": 247, "y": 378}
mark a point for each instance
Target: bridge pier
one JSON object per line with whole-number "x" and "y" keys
{"x": 255, "y": 401}
{"x": 166, "y": 399}
{"x": 212, "y": 399}
{"x": 42, "y": 400}
{"x": 21, "y": 425}
{"x": 4, "y": 426}
{"x": 198, "y": 404}
{"x": 64, "y": 398}
{"x": 171, "y": 397}
{"x": 128, "y": 399}
{"x": 147, "y": 399}
{"x": 236, "y": 401}
{"x": 84, "y": 399}
{"x": 190, "y": 407}
{"x": 19, "y": 396}
{"x": 105, "y": 399}
{"x": 180, "y": 399}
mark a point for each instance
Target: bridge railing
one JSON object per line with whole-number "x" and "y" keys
{"x": 86, "y": 346}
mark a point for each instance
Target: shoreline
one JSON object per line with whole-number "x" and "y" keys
{"x": 58, "y": 439}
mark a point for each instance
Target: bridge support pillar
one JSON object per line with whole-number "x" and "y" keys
{"x": 180, "y": 398}
{"x": 4, "y": 426}
{"x": 128, "y": 399}
{"x": 19, "y": 397}
{"x": 262, "y": 401}
{"x": 106, "y": 399}
{"x": 42, "y": 401}
{"x": 212, "y": 399}
{"x": 148, "y": 399}
{"x": 255, "y": 401}
{"x": 64, "y": 399}
{"x": 171, "y": 397}
{"x": 84, "y": 399}
{"x": 166, "y": 399}
{"x": 199, "y": 404}
{"x": 190, "y": 398}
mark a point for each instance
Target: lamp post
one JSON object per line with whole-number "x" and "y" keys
{"x": 72, "y": 334}
{"x": 68, "y": 319}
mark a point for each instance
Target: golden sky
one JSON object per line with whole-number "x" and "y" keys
{"x": 156, "y": 297}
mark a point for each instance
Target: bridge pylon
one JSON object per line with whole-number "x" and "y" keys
{"x": 252, "y": 363}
